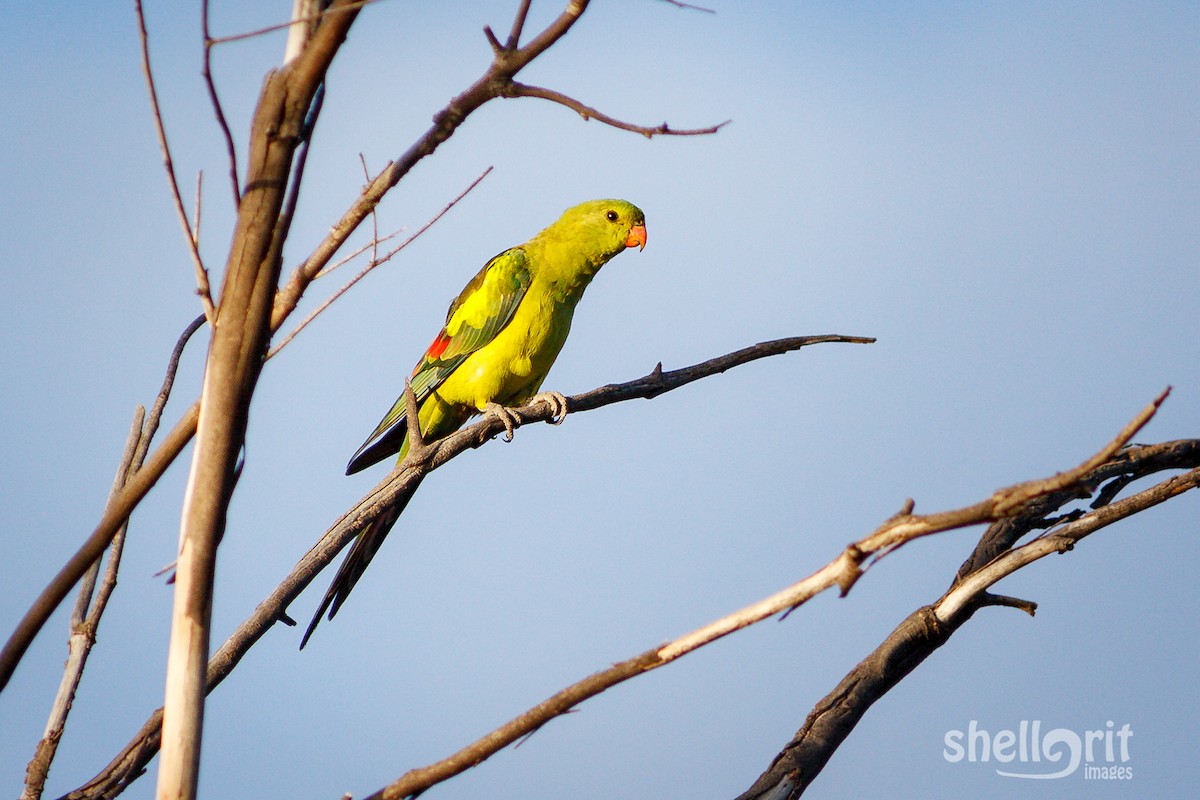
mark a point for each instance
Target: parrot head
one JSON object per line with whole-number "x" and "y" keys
{"x": 606, "y": 226}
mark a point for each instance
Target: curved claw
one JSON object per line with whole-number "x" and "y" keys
{"x": 558, "y": 406}
{"x": 505, "y": 415}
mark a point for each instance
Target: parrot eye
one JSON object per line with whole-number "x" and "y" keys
{"x": 612, "y": 216}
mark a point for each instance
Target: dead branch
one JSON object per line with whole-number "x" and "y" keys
{"x": 115, "y": 514}
{"x": 296, "y": 20}
{"x": 515, "y": 89}
{"x": 833, "y": 718}
{"x": 218, "y": 111}
{"x": 372, "y": 245}
{"x": 1112, "y": 476}
{"x": 83, "y": 634}
{"x": 129, "y": 764}
{"x": 689, "y": 6}
{"x": 1063, "y": 539}
{"x": 197, "y": 206}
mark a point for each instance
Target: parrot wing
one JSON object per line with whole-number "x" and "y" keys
{"x": 483, "y": 308}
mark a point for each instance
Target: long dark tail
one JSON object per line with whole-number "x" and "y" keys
{"x": 361, "y": 552}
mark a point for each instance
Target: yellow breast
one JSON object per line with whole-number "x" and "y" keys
{"x": 510, "y": 369}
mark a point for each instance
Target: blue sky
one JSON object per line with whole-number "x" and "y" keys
{"x": 1006, "y": 195}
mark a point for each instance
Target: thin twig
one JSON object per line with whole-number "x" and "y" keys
{"x": 222, "y": 123}
{"x": 202, "y": 286}
{"x": 238, "y": 37}
{"x": 358, "y": 251}
{"x": 689, "y": 6}
{"x": 164, "y": 391}
{"x": 417, "y": 446}
{"x": 375, "y": 262}
{"x": 284, "y": 225}
{"x": 374, "y": 215}
{"x": 587, "y": 112}
{"x": 197, "y": 205}
{"x": 514, "y": 35}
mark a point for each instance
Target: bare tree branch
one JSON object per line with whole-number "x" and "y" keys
{"x": 133, "y": 758}
{"x": 197, "y": 205}
{"x": 834, "y": 717}
{"x": 374, "y": 214}
{"x": 114, "y": 515}
{"x": 1063, "y": 539}
{"x": 293, "y": 22}
{"x": 202, "y": 287}
{"x": 372, "y": 245}
{"x": 1117, "y": 473}
{"x": 515, "y": 89}
{"x": 83, "y": 634}
{"x": 689, "y": 6}
{"x": 206, "y": 72}
{"x": 514, "y": 35}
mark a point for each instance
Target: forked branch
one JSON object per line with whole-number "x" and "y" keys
{"x": 834, "y": 717}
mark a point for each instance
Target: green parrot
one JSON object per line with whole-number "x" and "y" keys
{"x": 501, "y": 337}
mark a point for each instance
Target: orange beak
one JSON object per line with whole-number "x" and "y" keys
{"x": 637, "y": 237}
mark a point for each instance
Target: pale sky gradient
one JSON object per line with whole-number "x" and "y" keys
{"x": 1007, "y": 195}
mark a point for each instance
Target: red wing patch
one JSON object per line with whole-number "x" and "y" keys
{"x": 436, "y": 349}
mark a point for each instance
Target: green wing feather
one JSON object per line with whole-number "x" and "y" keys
{"x": 483, "y": 308}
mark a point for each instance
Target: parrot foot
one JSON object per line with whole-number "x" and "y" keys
{"x": 557, "y": 403}
{"x": 505, "y": 415}
{"x": 558, "y": 412}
